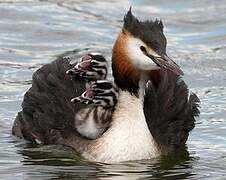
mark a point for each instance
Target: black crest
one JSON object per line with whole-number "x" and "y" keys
{"x": 150, "y": 32}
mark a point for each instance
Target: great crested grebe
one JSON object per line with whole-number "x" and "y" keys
{"x": 152, "y": 112}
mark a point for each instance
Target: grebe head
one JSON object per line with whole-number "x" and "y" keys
{"x": 140, "y": 46}
{"x": 99, "y": 93}
{"x": 91, "y": 67}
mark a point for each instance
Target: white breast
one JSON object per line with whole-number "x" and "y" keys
{"x": 128, "y": 137}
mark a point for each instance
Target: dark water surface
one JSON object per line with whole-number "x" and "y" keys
{"x": 33, "y": 32}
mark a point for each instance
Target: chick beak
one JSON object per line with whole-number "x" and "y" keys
{"x": 165, "y": 62}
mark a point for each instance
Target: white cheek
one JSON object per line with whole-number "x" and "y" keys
{"x": 138, "y": 59}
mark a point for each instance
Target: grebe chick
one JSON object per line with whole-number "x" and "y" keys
{"x": 101, "y": 98}
{"x": 91, "y": 67}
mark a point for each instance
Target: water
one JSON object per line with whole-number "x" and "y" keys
{"x": 33, "y": 32}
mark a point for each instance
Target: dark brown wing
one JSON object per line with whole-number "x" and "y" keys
{"x": 47, "y": 112}
{"x": 170, "y": 111}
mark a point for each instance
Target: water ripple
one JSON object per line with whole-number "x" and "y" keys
{"x": 33, "y": 33}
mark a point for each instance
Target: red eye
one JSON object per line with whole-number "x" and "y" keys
{"x": 143, "y": 49}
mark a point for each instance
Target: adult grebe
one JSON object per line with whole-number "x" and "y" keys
{"x": 154, "y": 111}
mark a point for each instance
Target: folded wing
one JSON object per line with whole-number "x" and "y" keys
{"x": 47, "y": 113}
{"x": 170, "y": 111}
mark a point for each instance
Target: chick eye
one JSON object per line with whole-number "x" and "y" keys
{"x": 143, "y": 49}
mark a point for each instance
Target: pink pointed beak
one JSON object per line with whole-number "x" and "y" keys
{"x": 166, "y": 63}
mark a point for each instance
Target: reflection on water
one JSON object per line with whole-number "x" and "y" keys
{"x": 33, "y": 33}
{"x": 66, "y": 164}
